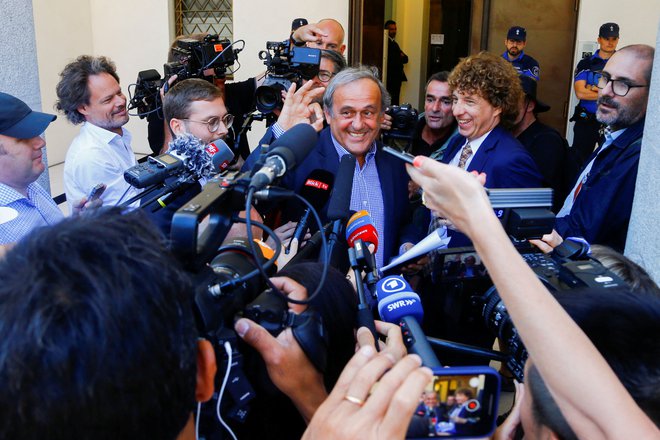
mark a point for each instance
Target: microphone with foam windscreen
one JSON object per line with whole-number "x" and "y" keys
{"x": 316, "y": 190}
{"x": 186, "y": 156}
{"x": 284, "y": 154}
{"x": 398, "y": 304}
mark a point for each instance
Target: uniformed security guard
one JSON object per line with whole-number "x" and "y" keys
{"x": 586, "y": 131}
{"x": 516, "y": 40}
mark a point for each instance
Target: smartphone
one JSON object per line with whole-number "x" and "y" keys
{"x": 460, "y": 402}
{"x": 406, "y": 157}
{"x": 96, "y": 192}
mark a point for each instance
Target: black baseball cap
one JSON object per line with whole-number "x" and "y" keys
{"x": 529, "y": 87}
{"x": 609, "y": 30}
{"x": 19, "y": 121}
{"x": 517, "y": 33}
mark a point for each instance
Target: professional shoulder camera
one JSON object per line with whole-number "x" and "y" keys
{"x": 284, "y": 66}
{"x": 205, "y": 59}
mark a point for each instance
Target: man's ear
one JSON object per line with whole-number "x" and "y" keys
{"x": 176, "y": 126}
{"x": 206, "y": 369}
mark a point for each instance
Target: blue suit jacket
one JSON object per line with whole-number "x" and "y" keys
{"x": 601, "y": 212}
{"x": 505, "y": 161}
{"x": 393, "y": 182}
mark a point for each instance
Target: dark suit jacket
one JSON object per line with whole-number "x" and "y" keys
{"x": 504, "y": 160}
{"x": 601, "y": 212}
{"x": 393, "y": 182}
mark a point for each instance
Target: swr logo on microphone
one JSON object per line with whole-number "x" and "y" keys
{"x": 317, "y": 184}
{"x": 400, "y": 303}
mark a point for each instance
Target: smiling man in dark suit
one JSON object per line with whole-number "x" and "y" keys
{"x": 354, "y": 103}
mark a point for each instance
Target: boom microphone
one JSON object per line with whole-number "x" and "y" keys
{"x": 398, "y": 304}
{"x": 284, "y": 154}
{"x": 316, "y": 190}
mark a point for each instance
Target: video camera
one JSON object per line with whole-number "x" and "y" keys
{"x": 229, "y": 285}
{"x": 404, "y": 119}
{"x": 205, "y": 59}
{"x": 284, "y": 65}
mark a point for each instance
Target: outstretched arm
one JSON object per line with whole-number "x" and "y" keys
{"x": 588, "y": 392}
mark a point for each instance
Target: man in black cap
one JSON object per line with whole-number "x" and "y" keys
{"x": 516, "y": 40}
{"x": 24, "y": 204}
{"x": 547, "y": 147}
{"x": 587, "y": 129}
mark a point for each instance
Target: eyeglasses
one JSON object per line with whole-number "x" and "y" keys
{"x": 213, "y": 124}
{"x": 619, "y": 86}
{"x": 325, "y": 76}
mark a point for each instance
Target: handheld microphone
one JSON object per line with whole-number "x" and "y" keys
{"x": 361, "y": 227}
{"x": 316, "y": 190}
{"x": 221, "y": 155}
{"x": 398, "y": 304}
{"x": 340, "y": 200}
{"x": 284, "y": 154}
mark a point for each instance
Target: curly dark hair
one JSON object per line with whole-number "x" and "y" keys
{"x": 494, "y": 79}
{"x": 72, "y": 90}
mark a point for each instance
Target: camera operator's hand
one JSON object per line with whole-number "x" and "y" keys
{"x": 283, "y": 356}
{"x": 393, "y": 339}
{"x": 548, "y": 242}
{"x": 309, "y": 33}
{"x": 386, "y": 124}
{"x": 300, "y": 107}
{"x": 358, "y": 409}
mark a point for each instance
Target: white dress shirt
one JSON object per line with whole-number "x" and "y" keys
{"x": 96, "y": 156}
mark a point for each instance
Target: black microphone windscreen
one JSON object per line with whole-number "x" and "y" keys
{"x": 318, "y": 187}
{"x": 298, "y": 22}
{"x": 299, "y": 140}
{"x": 340, "y": 200}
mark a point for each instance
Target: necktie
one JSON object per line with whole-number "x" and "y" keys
{"x": 436, "y": 221}
{"x": 465, "y": 155}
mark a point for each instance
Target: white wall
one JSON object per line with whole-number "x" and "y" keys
{"x": 638, "y": 23}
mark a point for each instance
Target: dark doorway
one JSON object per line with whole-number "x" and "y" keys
{"x": 451, "y": 19}
{"x": 366, "y": 37}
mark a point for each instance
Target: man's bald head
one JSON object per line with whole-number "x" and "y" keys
{"x": 335, "y": 36}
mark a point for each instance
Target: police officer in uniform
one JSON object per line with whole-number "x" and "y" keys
{"x": 586, "y": 131}
{"x": 516, "y": 40}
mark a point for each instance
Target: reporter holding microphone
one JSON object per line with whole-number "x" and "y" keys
{"x": 590, "y": 396}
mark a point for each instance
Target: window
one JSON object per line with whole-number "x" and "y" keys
{"x": 204, "y": 16}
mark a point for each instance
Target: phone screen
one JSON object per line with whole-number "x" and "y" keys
{"x": 457, "y": 404}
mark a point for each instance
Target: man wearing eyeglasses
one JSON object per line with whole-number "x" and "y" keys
{"x": 89, "y": 93}
{"x": 586, "y": 130}
{"x": 599, "y": 205}
{"x": 192, "y": 106}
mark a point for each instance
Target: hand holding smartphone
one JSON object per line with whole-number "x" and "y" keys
{"x": 96, "y": 192}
